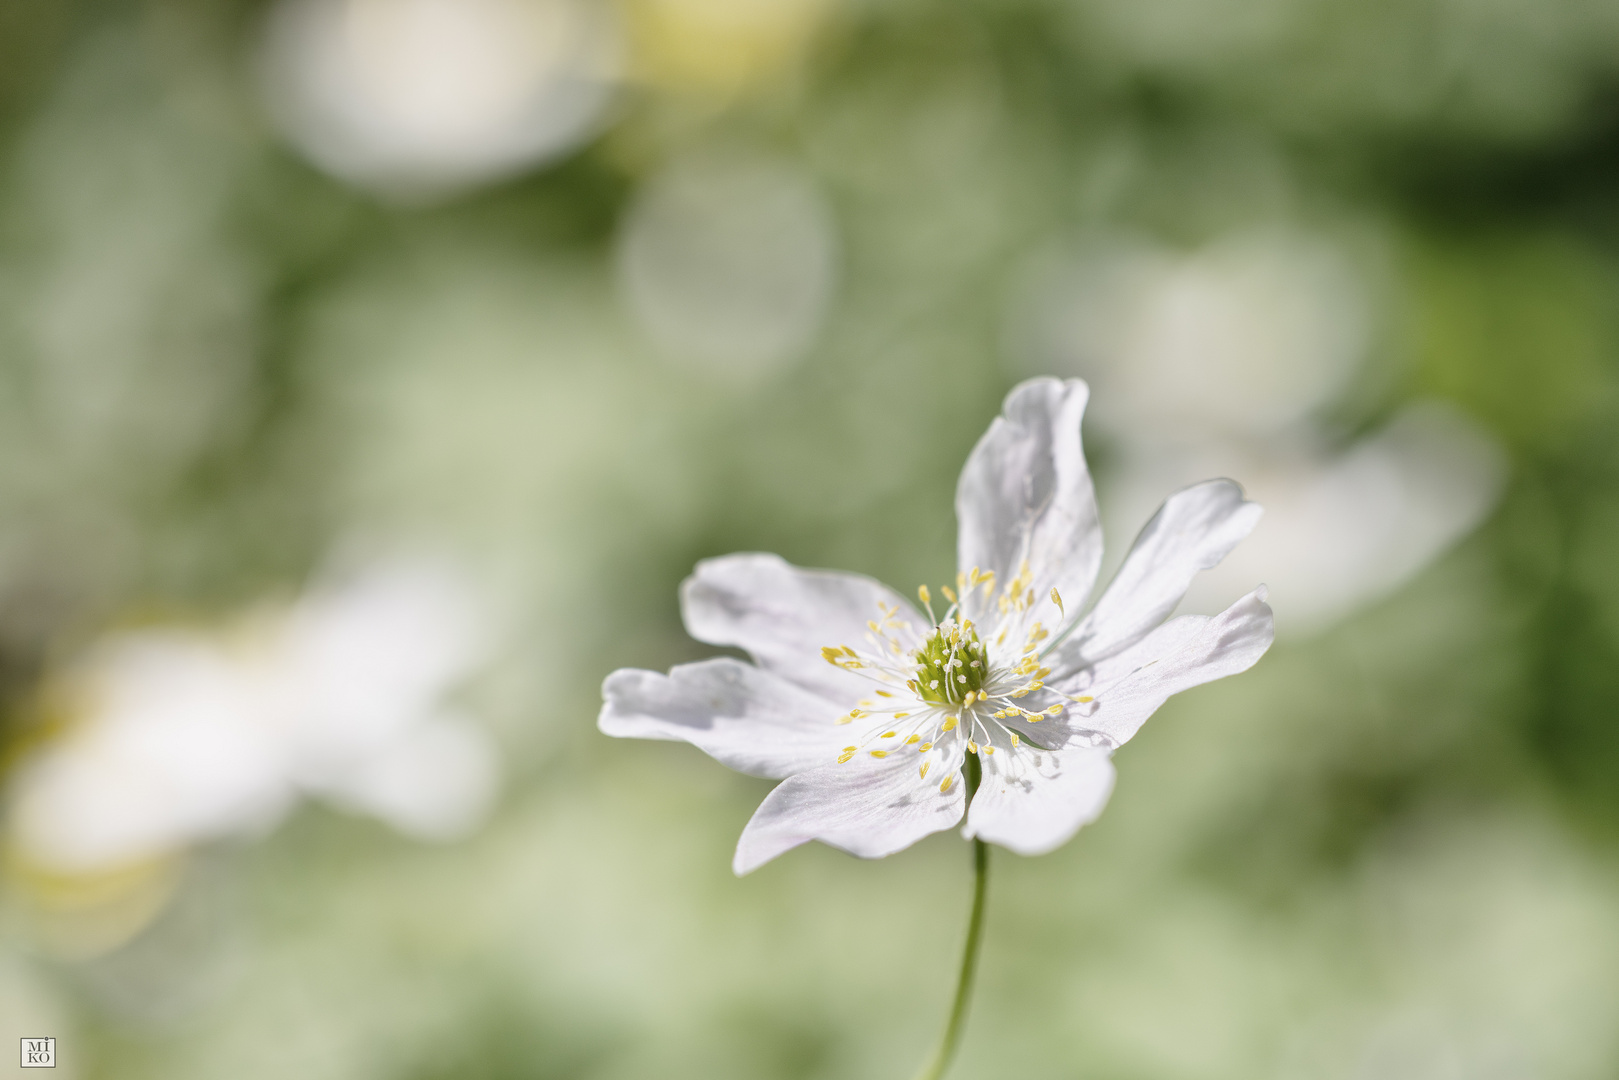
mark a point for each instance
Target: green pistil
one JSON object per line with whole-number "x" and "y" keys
{"x": 938, "y": 680}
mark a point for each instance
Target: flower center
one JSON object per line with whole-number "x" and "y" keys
{"x": 951, "y": 663}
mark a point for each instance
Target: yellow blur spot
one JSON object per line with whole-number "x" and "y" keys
{"x": 719, "y": 46}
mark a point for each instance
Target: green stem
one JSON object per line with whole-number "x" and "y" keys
{"x": 936, "y": 1066}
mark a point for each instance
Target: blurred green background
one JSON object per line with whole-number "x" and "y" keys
{"x": 572, "y": 296}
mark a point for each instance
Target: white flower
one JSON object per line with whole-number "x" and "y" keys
{"x": 422, "y": 98}
{"x": 176, "y": 736}
{"x": 869, "y": 709}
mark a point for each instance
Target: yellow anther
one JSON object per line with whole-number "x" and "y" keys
{"x": 855, "y": 714}
{"x": 1014, "y": 739}
{"x": 1086, "y": 700}
{"x": 972, "y": 747}
{"x": 843, "y": 759}
{"x": 901, "y": 715}
{"x": 1055, "y": 709}
{"x": 1056, "y": 598}
{"x": 849, "y": 652}
{"x": 888, "y": 734}
{"x": 1033, "y": 717}
{"x": 949, "y": 593}
{"x": 884, "y": 693}
{"x": 879, "y": 753}
{"x": 925, "y": 747}
{"x": 925, "y": 596}
{"x": 913, "y": 739}
{"x": 949, "y": 724}
{"x": 924, "y": 773}
{"x": 845, "y": 719}
{"x": 945, "y": 786}
{"x": 989, "y": 749}
{"x": 973, "y": 576}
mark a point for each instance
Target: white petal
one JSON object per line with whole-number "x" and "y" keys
{"x": 1228, "y": 643}
{"x": 1026, "y": 494}
{"x": 784, "y": 616}
{"x": 1037, "y": 813}
{"x": 867, "y": 807}
{"x": 1168, "y": 638}
{"x": 1192, "y": 531}
{"x": 740, "y": 715}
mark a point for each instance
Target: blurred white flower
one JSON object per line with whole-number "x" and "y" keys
{"x": 1043, "y": 710}
{"x": 418, "y": 97}
{"x": 1218, "y": 363}
{"x": 1347, "y": 526}
{"x": 728, "y": 260}
{"x": 175, "y": 737}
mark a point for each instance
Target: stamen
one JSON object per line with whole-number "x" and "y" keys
{"x": 924, "y": 773}
{"x": 879, "y": 753}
